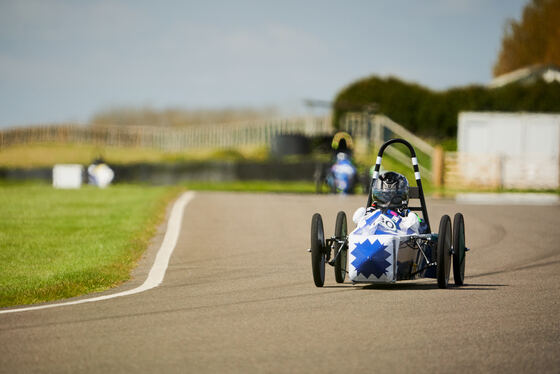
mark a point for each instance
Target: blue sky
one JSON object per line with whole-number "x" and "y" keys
{"x": 66, "y": 60}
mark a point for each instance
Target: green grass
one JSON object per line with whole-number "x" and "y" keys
{"x": 253, "y": 186}
{"x": 57, "y": 244}
{"x": 47, "y": 155}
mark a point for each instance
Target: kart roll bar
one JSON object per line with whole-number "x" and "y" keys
{"x": 416, "y": 176}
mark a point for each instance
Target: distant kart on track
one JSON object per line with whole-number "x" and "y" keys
{"x": 341, "y": 177}
{"x": 389, "y": 245}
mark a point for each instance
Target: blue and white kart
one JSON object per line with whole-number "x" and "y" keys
{"x": 341, "y": 177}
{"x": 387, "y": 246}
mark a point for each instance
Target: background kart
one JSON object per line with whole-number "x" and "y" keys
{"x": 340, "y": 177}
{"x": 383, "y": 250}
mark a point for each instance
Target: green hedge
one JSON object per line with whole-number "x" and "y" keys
{"x": 434, "y": 113}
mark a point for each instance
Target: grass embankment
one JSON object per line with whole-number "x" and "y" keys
{"x": 57, "y": 244}
{"x": 47, "y": 155}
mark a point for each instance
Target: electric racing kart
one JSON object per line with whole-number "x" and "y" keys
{"x": 386, "y": 247}
{"x": 341, "y": 177}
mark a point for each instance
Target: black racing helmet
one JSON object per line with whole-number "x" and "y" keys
{"x": 390, "y": 190}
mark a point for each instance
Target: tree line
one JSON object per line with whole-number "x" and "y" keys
{"x": 533, "y": 40}
{"x": 434, "y": 113}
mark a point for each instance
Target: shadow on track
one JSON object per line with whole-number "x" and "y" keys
{"x": 417, "y": 286}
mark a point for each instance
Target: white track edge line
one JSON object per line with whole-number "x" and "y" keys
{"x": 159, "y": 267}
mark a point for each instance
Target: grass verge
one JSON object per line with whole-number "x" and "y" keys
{"x": 56, "y": 244}
{"x": 253, "y": 186}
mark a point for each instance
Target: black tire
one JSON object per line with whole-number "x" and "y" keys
{"x": 340, "y": 232}
{"x": 459, "y": 249}
{"x": 318, "y": 254}
{"x": 332, "y": 185}
{"x": 319, "y": 178}
{"x": 444, "y": 252}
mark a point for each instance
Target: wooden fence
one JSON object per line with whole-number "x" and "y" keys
{"x": 166, "y": 138}
{"x": 478, "y": 170}
{"x": 376, "y": 128}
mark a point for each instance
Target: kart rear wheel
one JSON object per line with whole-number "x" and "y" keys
{"x": 318, "y": 253}
{"x": 444, "y": 252}
{"x": 340, "y": 232}
{"x": 459, "y": 249}
{"x": 319, "y": 178}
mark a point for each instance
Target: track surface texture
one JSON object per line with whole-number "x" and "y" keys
{"x": 239, "y": 296}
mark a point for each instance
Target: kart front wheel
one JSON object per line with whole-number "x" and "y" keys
{"x": 444, "y": 252}
{"x": 318, "y": 253}
{"x": 340, "y": 232}
{"x": 459, "y": 249}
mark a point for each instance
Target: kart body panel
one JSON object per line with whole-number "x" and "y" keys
{"x": 380, "y": 250}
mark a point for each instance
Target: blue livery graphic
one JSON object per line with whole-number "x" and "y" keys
{"x": 371, "y": 258}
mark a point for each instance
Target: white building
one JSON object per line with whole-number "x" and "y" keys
{"x": 510, "y": 150}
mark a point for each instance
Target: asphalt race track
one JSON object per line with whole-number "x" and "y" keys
{"x": 239, "y": 296}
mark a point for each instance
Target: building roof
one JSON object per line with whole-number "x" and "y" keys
{"x": 529, "y": 74}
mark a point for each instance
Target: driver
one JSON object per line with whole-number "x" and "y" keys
{"x": 342, "y": 143}
{"x": 390, "y": 192}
